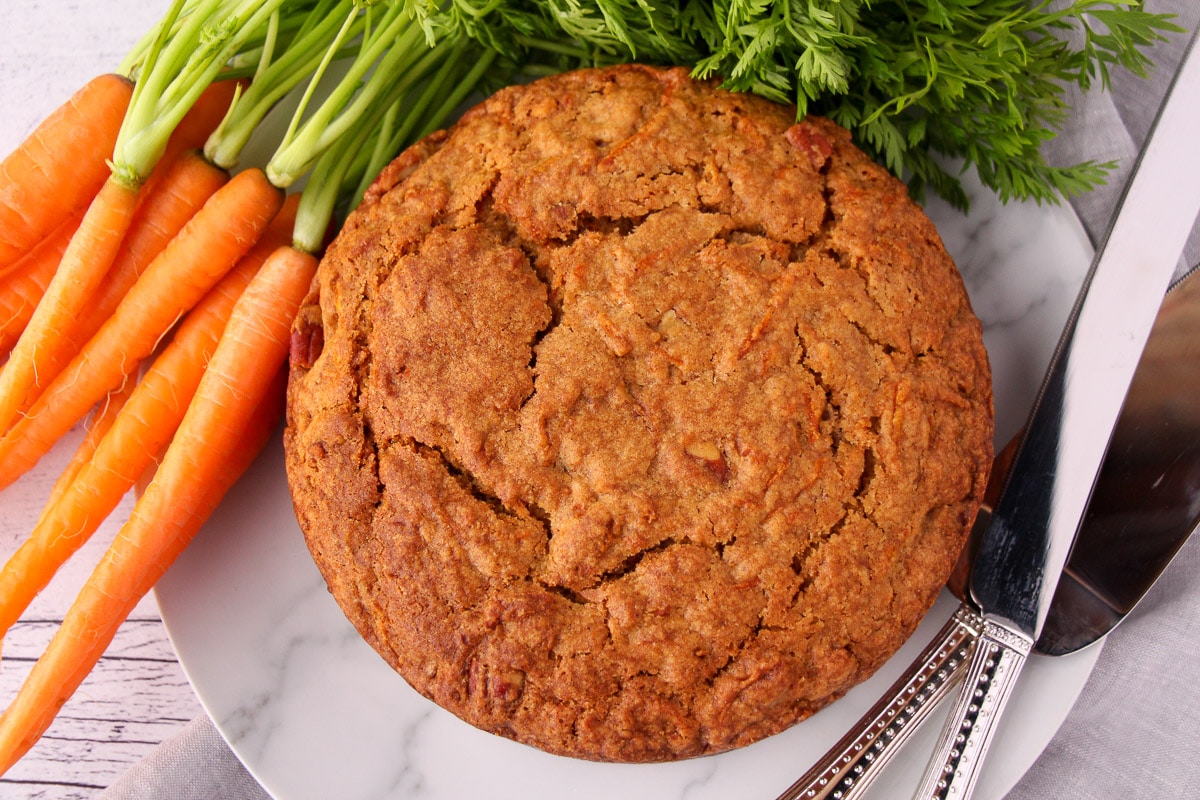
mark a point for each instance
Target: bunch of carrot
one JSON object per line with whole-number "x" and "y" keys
{"x": 145, "y": 282}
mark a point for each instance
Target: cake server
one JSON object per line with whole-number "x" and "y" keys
{"x": 1147, "y": 496}
{"x": 1146, "y": 501}
{"x": 1023, "y": 550}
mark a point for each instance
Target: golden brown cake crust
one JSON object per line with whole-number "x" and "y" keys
{"x": 634, "y": 421}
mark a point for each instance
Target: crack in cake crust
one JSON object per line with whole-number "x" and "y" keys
{"x": 636, "y": 431}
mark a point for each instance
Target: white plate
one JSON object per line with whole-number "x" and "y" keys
{"x": 315, "y": 713}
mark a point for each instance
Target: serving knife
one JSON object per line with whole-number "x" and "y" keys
{"x": 1026, "y": 542}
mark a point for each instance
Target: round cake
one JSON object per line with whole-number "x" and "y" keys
{"x": 634, "y": 420}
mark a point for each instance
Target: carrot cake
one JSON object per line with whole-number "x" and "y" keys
{"x": 634, "y": 419}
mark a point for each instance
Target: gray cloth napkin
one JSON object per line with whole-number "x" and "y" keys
{"x": 1132, "y": 732}
{"x": 1111, "y": 126}
{"x": 194, "y": 764}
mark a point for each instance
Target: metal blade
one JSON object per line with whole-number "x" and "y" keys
{"x": 1147, "y": 497}
{"x": 1035, "y": 520}
{"x": 1146, "y": 502}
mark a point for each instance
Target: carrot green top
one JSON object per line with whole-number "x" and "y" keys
{"x": 983, "y": 81}
{"x": 193, "y": 43}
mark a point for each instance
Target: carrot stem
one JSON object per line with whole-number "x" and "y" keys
{"x": 180, "y": 65}
{"x": 276, "y": 79}
{"x": 389, "y": 50}
{"x": 197, "y": 125}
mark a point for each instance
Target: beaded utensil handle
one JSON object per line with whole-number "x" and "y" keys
{"x": 847, "y": 770}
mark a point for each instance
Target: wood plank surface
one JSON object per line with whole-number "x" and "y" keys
{"x": 135, "y": 698}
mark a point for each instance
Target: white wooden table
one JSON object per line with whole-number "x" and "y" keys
{"x": 137, "y": 696}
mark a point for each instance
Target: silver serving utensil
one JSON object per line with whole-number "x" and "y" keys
{"x": 1055, "y": 469}
{"x": 1147, "y": 496}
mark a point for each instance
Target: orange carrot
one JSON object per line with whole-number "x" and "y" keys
{"x": 84, "y": 263}
{"x": 44, "y": 350}
{"x": 197, "y": 125}
{"x": 22, "y": 290}
{"x": 102, "y": 420}
{"x": 257, "y": 432}
{"x": 60, "y": 166}
{"x": 186, "y": 488}
{"x": 117, "y": 585}
{"x": 209, "y": 245}
{"x": 106, "y": 413}
{"x": 169, "y": 204}
{"x": 241, "y": 374}
{"x": 136, "y": 438}
{"x": 87, "y": 259}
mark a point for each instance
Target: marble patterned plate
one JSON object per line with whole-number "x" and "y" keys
{"x": 314, "y": 712}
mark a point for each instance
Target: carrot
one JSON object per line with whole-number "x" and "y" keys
{"x": 22, "y": 290}
{"x": 84, "y": 263}
{"x": 188, "y": 484}
{"x": 103, "y": 418}
{"x": 209, "y": 245}
{"x": 15, "y": 308}
{"x": 242, "y": 372}
{"x": 116, "y": 586}
{"x": 251, "y": 440}
{"x": 180, "y": 181}
{"x": 138, "y": 435}
{"x": 138, "y": 150}
{"x": 106, "y": 413}
{"x": 60, "y": 166}
{"x": 171, "y": 202}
